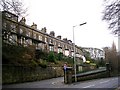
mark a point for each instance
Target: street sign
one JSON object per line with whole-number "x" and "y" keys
{"x": 65, "y": 66}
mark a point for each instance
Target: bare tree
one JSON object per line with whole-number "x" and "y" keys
{"x": 112, "y": 15}
{"x": 111, "y": 56}
{"x": 14, "y": 6}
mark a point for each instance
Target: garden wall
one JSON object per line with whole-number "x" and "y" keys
{"x": 19, "y": 74}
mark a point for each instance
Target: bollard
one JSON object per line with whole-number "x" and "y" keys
{"x": 108, "y": 69}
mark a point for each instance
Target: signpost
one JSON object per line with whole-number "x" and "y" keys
{"x": 65, "y": 76}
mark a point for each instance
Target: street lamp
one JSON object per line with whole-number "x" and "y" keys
{"x": 74, "y": 48}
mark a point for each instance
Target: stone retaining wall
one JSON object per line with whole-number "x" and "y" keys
{"x": 18, "y": 74}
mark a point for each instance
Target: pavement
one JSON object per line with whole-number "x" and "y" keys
{"x": 118, "y": 88}
{"x": 96, "y": 84}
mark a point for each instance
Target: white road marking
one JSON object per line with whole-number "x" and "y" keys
{"x": 105, "y": 81}
{"x": 113, "y": 79}
{"x": 53, "y": 83}
{"x": 89, "y": 86}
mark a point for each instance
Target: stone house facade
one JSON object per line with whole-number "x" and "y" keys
{"x": 17, "y": 32}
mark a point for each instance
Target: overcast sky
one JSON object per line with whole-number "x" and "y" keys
{"x": 61, "y": 15}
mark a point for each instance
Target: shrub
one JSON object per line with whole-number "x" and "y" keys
{"x": 39, "y": 54}
{"x": 42, "y": 63}
{"x": 60, "y": 56}
{"x": 51, "y": 57}
{"x": 18, "y": 55}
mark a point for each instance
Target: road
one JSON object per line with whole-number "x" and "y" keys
{"x": 111, "y": 82}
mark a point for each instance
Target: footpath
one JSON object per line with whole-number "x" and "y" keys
{"x": 58, "y": 83}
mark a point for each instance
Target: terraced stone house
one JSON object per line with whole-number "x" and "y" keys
{"x": 17, "y": 32}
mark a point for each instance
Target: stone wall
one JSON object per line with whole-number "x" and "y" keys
{"x": 18, "y": 74}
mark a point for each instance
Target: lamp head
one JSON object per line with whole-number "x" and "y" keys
{"x": 83, "y": 23}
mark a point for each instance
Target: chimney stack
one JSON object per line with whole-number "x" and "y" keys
{"x": 52, "y": 33}
{"x": 34, "y": 26}
{"x": 59, "y": 37}
{"x": 70, "y": 41}
{"x": 65, "y": 39}
{"x": 44, "y": 30}
{"x": 23, "y": 20}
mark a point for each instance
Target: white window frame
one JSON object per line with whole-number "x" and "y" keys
{"x": 40, "y": 37}
{"x": 46, "y": 39}
{"x": 51, "y": 48}
{"x": 13, "y": 27}
{"x": 34, "y": 35}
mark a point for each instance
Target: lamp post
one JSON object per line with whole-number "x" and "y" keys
{"x": 74, "y": 49}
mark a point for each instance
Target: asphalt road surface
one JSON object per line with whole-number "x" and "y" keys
{"x": 111, "y": 82}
